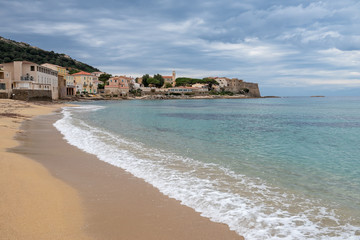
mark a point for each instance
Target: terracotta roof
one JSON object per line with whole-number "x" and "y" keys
{"x": 81, "y": 73}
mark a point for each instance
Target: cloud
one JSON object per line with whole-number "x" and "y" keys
{"x": 314, "y": 44}
{"x": 338, "y": 57}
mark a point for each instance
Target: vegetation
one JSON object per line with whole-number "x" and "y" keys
{"x": 190, "y": 81}
{"x": 156, "y": 81}
{"x": 103, "y": 78}
{"x": 18, "y": 51}
{"x": 168, "y": 85}
{"x": 136, "y": 92}
{"x": 145, "y": 79}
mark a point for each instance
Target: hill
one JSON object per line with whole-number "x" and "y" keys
{"x": 18, "y": 51}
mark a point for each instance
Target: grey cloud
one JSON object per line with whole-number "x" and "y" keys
{"x": 309, "y": 43}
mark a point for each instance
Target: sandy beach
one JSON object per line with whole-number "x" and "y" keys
{"x": 33, "y": 204}
{"x": 52, "y": 190}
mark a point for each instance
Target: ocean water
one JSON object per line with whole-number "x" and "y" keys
{"x": 284, "y": 168}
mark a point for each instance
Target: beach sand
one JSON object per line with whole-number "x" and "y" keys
{"x": 33, "y": 204}
{"x": 65, "y": 193}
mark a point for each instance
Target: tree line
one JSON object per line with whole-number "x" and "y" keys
{"x": 13, "y": 51}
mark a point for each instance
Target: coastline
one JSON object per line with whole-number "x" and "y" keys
{"x": 113, "y": 203}
{"x": 33, "y": 203}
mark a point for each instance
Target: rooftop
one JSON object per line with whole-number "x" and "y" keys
{"x": 81, "y": 73}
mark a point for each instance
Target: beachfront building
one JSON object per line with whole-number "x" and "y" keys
{"x": 200, "y": 85}
{"x": 170, "y": 79}
{"x": 84, "y": 82}
{"x": 65, "y": 90}
{"x": 25, "y": 75}
{"x": 96, "y": 77}
{"x": 119, "y": 85}
{"x": 222, "y": 82}
{"x": 235, "y": 85}
{"x": 96, "y": 81}
{"x": 189, "y": 90}
{"x": 5, "y": 85}
{"x": 70, "y": 85}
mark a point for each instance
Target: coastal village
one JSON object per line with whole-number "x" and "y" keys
{"x": 25, "y": 80}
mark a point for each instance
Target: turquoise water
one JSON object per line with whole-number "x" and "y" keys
{"x": 285, "y": 168}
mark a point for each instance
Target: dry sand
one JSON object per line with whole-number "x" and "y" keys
{"x": 77, "y": 196}
{"x": 33, "y": 204}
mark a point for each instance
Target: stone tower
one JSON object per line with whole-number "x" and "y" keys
{"x": 173, "y": 78}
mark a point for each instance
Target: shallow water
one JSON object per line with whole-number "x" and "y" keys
{"x": 269, "y": 168}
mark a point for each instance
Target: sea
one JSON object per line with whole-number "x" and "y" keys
{"x": 269, "y": 168}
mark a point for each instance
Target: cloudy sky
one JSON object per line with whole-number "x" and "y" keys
{"x": 288, "y": 47}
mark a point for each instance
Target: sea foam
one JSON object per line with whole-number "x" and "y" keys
{"x": 248, "y": 206}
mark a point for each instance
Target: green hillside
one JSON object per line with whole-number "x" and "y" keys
{"x": 18, "y": 51}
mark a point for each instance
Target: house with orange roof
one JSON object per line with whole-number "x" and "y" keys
{"x": 84, "y": 82}
{"x": 118, "y": 85}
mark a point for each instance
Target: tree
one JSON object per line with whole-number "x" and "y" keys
{"x": 153, "y": 82}
{"x": 73, "y": 70}
{"x": 145, "y": 79}
{"x": 104, "y": 77}
{"x": 168, "y": 85}
{"x": 160, "y": 79}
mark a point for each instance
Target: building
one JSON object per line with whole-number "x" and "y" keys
{"x": 5, "y": 84}
{"x": 61, "y": 70}
{"x": 97, "y": 74}
{"x": 24, "y": 75}
{"x": 235, "y": 85}
{"x": 84, "y": 82}
{"x": 222, "y": 82}
{"x": 189, "y": 90}
{"x": 119, "y": 85}
{"x": 65, "y": 89}
{"x": 96, "y": 77}
{"x": 170, "y": 79}
{"x": 200, "y": 85}
{"x": 70, "y": 85}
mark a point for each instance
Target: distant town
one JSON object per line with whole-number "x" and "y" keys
{"x": 25, "y": 80}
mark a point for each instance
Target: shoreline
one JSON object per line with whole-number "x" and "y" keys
{"x": 162, "y": 97}
{"x": 116, "y": 205}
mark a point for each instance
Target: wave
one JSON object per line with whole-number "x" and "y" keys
{"x": 248, "y": 206}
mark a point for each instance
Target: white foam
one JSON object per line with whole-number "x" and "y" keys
{"x": 248, "y": 206}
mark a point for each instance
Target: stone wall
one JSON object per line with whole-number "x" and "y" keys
{"x": 253, "y": 89}
{"x": 31, "y": 95}
{"x": 4, "y": 95}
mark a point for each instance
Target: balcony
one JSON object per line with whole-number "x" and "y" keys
{"x": 27, "y": 78}
{"x": 85, "y": 85}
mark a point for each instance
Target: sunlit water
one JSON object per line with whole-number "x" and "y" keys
{"x": 284, "y": 168}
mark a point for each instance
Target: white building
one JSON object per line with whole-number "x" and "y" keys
{"x": 31, "y": 76}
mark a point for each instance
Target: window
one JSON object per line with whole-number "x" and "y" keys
{"x": 2, "y": 86}
{"x": 32, "y": 68}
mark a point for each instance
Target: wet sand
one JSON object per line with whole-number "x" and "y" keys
{"x": 116, "y": 205}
